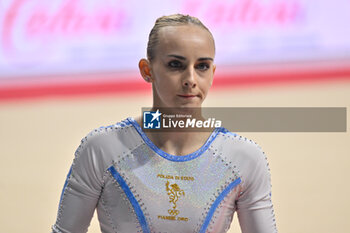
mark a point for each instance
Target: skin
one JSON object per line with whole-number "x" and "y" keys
{"x": 181, "y": 75}
{"x": 182, "y": 70}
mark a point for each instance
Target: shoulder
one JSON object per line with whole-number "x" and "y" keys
{"x": 239, "y": 148}
{"x": 119, "y": 136}
{"x": 104, "y": 145}
{"x": 248, "y": 159}
{"x": 122, "y": 131}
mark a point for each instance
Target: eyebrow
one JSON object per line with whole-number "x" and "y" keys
{"x": 183, "y": 58}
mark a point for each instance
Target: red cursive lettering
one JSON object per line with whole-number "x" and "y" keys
{"x": 68, "y": 20}
{"x": 8, "y": 25}
{"x": 226, "y": 14}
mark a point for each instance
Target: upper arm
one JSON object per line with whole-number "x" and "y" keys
{"x": 81, "y": 191}
{"x": 254, "y": 207}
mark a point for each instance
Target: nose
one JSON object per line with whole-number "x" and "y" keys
{"x": 189, "y": 78}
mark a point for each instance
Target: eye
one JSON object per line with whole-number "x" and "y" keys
{"x": 175, "y": 64}
{"x": 203, "y": 66}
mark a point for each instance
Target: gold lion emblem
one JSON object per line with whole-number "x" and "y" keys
{"x": 174, "y": 192}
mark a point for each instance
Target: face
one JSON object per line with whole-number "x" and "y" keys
{"x": 182, "y": 69}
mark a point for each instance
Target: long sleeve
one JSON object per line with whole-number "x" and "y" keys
{"x": 254, "y": 206}
{"x": 117, "y": 171}
{"x": 80, "y": 193}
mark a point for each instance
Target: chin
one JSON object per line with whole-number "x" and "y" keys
{"x": 190, "y": 105}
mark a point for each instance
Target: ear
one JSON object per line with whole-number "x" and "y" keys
{"x": 145, "y": 70}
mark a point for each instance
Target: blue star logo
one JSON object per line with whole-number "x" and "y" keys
{"x": 151, "y": 120}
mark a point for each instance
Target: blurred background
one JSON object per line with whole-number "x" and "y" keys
{"x": 67, "y": 67}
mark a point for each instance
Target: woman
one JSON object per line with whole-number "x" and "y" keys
{"x": 169, "y": 181}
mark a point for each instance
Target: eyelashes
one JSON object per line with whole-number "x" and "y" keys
{"x": 203, "y": 66}
{"x": 178, "y": 65}
{"x": 175, "y": 64}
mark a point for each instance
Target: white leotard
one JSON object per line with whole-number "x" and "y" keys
{"x": 136, "y": 187}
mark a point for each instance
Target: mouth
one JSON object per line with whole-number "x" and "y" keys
{"x": 187, "y": 96}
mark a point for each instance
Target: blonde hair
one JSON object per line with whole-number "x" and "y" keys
{"x": 170, "y": 20}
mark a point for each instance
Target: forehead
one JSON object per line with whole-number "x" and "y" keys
{"x": 185, "y": 39}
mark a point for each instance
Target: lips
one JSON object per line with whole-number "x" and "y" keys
{"x": 187, "y": 95}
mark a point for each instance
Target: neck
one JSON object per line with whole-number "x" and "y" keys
{"x": 177, "y": 143}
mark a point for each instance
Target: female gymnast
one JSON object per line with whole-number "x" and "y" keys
{"x": 174, "y": 182}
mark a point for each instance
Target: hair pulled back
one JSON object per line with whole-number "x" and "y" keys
{"x": 170, "y": 20}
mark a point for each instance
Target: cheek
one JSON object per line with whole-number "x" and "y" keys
{"x": 166, "y": 80}
{"x": 206, "y": 83}
{"x": 165, "y": 85}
